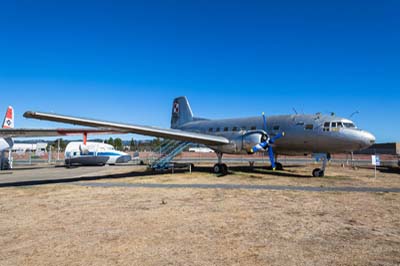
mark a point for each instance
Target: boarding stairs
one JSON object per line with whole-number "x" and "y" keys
{"x": 169, "y": 150}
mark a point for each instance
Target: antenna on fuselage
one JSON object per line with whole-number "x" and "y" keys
{"x": 354, "y": 113}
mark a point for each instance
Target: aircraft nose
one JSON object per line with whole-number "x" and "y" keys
{"x": 368, "y": 139}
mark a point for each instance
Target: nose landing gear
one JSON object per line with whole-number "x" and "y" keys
{"x": 320, "y": 172}
{"x": 317, "y": 172}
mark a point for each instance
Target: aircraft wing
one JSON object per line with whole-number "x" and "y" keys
{"x": 137, "y": 129}
{"x": 30, "y": 133}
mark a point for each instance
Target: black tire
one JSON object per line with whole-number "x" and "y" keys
{"x": 316, "y": 172}
{"x": 217, "y": 168}
{"x": 278, "y": 166}
{"x": 224, "y": 169}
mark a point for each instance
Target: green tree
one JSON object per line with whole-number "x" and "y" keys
{"x": 111, "y": 141}
{"x": 54, "y": 144}
{"x": 132, "y": 145}
{"x": 118, "y": 144}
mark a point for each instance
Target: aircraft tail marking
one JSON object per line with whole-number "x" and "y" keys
{"x": 181, "y": 112}
{"x": 9, "y": 118}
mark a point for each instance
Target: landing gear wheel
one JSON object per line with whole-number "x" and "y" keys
{"x": 217, "y": 168}
{"x": 318, "y": 173}
{"x": 224, "y": 169}
{"x": 220, "y": 168}
{"x": 278, "y": 166}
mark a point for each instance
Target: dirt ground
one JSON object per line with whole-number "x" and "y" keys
{"x": 67, "y": 224}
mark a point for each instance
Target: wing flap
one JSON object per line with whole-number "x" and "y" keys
{"x": 137, "y": 129}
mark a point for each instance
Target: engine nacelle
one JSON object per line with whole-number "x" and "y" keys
{"x": 251, "y": 139}
{"x": 243, "y": 143}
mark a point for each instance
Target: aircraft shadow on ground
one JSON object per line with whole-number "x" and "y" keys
{"x": 77, "y": 179}
{"x": 255, "y": 169}
{"x": 389, "y": 170}
{"x": 233, "y": 169}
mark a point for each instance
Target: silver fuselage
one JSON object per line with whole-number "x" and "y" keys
{"x": 304, "y": 134}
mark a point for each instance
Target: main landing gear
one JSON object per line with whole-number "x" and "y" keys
{"x": 320, "y": 172}
{"x": 220, "y": 168}
{"x": 278, "y": 166}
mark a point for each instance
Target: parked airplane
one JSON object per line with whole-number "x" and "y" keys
{"x": 8, "y": 132}
{"x": 318, "y": 134}
{"x": 93, "y": 153}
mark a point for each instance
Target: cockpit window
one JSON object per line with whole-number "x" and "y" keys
{"x": 340, "y": 124}
{"x": 349, "y": 125}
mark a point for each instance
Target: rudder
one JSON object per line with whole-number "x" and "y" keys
{"x": 9, "y": 118}
{"x": 181, "y": 112}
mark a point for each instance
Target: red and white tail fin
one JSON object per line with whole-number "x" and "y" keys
{"x": 9, "y": 118}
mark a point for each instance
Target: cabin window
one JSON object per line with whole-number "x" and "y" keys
{"x": 217, "y": 129}
{"x": 276, "y": 127}
{"x": 226, "y": 129}
{"x": 253, "y": 128}
{"x": 326, "y": 126}
{"x": 309, "y": 127}
{"x": 210, "y": 129}
{"x": 234, "y": 129}
{"x": 300, "y": 124}
{"x": 334, "y": 124}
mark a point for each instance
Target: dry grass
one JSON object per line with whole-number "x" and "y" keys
{"x": 73, "y": 225}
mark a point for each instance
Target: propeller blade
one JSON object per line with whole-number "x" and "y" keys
{"x": 265, "y": 122}
{"x": 278, "y": 136}
{"x": 259, "y": 147}
{"x": 271, "y": 157}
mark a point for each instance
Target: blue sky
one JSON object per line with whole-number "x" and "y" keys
{"x": 126, "y": 60}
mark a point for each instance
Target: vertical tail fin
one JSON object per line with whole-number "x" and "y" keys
{"x": 9, "y": 118}
{"x": 181, "y": 112}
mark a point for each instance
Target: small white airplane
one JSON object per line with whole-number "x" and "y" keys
{"x": 8, "y": 132}
{"x": 93, "y": 153}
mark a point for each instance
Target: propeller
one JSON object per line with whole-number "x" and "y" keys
{"x": 267, "y": 143}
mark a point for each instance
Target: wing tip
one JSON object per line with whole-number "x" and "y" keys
{"x": 29, "y": 114}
